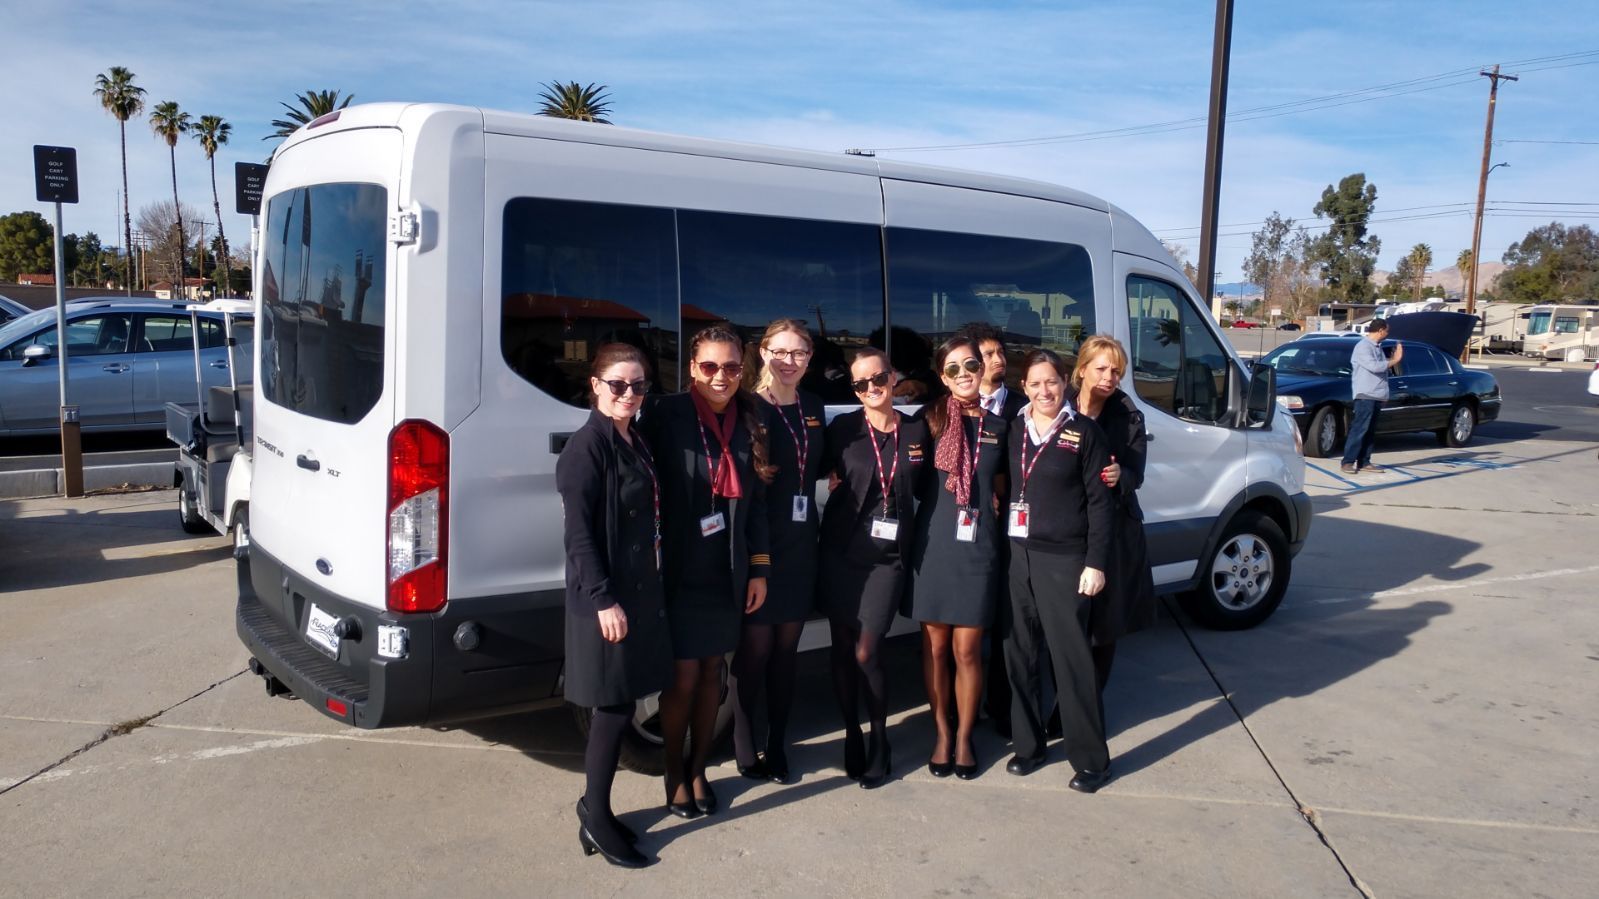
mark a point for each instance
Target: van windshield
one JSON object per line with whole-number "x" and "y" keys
{"x": 323, "y": 300}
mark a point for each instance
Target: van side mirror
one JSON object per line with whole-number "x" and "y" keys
{"x": 35, "y": 353}
{"x": 1261, "y": 404}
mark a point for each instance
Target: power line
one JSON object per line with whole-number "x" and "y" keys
{"x": 1585, "y": 142}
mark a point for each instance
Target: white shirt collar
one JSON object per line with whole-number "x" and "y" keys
{"x": 994, "y": 402}
{"x": 1039, "y": 439}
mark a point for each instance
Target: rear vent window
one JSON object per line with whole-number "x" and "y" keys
{"x": 322, "y": 299}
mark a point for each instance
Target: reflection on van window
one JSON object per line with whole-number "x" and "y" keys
{"x": 1177, "y": 362}
{"x": 322, "y": 299}
{"x": 578, "y": 275}
{"x": 748, "y": 270}
{"x": 1037, "y": 292}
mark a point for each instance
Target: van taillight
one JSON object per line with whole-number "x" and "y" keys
{"x": 419, "y": 502}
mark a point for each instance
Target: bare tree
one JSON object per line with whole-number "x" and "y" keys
{"x": 158, "y": 222}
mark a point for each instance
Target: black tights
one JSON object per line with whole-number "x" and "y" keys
{"x": 856, "y": 664}
{"x": 604, "y": 749}
{"x": 688, "y": 705}
{"x": 767, "y": 657}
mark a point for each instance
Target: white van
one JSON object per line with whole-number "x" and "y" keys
{"x": 433, "y": 280}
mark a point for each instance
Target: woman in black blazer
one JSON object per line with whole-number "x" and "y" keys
{"x": 710, "y": 443}
{"x": 1128, "y": 601}
{"x": 617, "y": 646}
{"x": 875, "y": 459}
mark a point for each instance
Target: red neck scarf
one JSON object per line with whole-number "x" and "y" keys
{"x": 724, "y": 474}
{"x": 950, "y": 455}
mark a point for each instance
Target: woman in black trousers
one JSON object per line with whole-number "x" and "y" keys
{"x": 1127, "y": 603}
{"x": 875, "y": 457}
{"x": 617, "y": 645}
{"x": 711, "y": 446}
{"x": 958, "y": 561}
{"x": 768, "y": 648}
{"x": 1059, "y": 523}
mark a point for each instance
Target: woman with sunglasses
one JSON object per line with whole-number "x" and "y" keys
{"x": 958, "y": 560}
{"x": 617, "y": 646}
{"x": 874, "y": 459}
{"x": 768, "y": 648}
{"x": 1059, "y": 523}
{"x": 1127, "y": 603}
{"x": 712, "y": 449}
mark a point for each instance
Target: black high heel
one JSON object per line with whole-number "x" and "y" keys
{"x": 967, "y": 772}
{"x": 623, "y": 856}
{"x": 707, "y": 804}
{"x": 776, "y": 764}
{"x": 854, "y": 754}
{"x": 880, "y": 767}
{"x": 685, "y": 810}
{"x": 583, "y": 818}
{"x": 757, "y": 771}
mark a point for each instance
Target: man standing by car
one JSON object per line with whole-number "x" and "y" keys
{"x": 1369, "y": 383}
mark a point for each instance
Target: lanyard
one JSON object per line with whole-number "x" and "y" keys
{"x": 884, "y": 484}
{"x": 655, "y": 485}
{"x": 711, "y": 463}
{"x": 802, "y": 448}
{"x": 1027, "y": 467}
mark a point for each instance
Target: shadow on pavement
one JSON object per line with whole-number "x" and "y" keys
{"x": 59, "y": 545}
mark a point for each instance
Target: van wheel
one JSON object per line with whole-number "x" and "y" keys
{"x": 241, "y": 534}
{"x": 189, "y": 511}
{"x": 1243, "y": 580}
{"x": 1323, "y": 439}
{"x": 1462, "y": 424}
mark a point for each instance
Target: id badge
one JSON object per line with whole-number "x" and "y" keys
{"x": 802, "y": 508}
{"x": 885, "y": 528}
{"x": 966, "y": 525}
{"x": 715, "y": 523}
{"x": 1019, "y": 515}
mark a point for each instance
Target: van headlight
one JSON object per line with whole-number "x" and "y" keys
{"x": 1291, "y": 403}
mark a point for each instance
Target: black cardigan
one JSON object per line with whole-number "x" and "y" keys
{"x": 1070, "y": 508}
{"x": 1126, "y": 439}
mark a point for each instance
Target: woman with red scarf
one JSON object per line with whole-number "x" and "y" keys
{"x": 958, "y": 559}
{"x": 711, "y": 450}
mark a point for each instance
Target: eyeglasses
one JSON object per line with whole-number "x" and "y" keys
{"x": 793, "y": 356}
{"x": 731, "y": 369}
{"x": 953, "y": 369}
{"x": 878, "y": 380}
{"x": 620, "y": 387}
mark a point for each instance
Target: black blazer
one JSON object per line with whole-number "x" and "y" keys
{"x": 1126, "y": 439}
{"x": 846, "y": 522}
{"x": 601, "y": 571}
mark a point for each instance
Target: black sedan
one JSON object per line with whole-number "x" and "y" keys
{"x": 1428, "y": 391}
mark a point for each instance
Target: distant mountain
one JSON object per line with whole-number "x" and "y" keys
{"x": 1450, "y": 278}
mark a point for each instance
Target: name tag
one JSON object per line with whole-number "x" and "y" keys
{"x": 986, "y": 437}
{"x": 714, "y": 523}
{"x": 885, "y": 528}
{"x": 1069, "y": 440}
{"x": 1019, "y": 515}
{"x": 966, "y": 525}
{"x": 802, "y": 508}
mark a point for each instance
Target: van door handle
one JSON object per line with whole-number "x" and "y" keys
{"x": 307, "y": 463}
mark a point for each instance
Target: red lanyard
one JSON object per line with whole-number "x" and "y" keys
{"x": 711, "y": 463}
{"x": 884, "y": 484}
{"x": 655, "y": 484}
{"x": 1027, "y": 467}
{"x": 802, "y": 448}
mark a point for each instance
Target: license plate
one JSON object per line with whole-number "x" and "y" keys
{"x": 319, "y": 631}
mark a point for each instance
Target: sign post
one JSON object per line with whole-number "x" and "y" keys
{"x": 55, "y": 180}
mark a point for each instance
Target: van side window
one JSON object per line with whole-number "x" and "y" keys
{"x": 578, "y": 275}
{"x": 748, "y": 270}
{"x": 1039, "y": 293}
{"x": 323, "y": 290}
{"x": 1177, "y": 362}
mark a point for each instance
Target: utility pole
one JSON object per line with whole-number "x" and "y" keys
{"x": 1220, "y": 54}
{"x": 1482, "y": 184}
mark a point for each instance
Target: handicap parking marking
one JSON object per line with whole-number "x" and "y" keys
{"x": 1411, "y": 472}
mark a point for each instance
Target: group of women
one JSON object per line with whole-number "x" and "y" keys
{"x": 691, "y": 532}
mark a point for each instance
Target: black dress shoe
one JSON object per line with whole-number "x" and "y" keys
{"x": 1090, "y": 781}
{"x": 878, "y": 770}
{"x": 940, "y": 769}
{"x": 685, "y": 810}
{"x": 776, "y": 762}
{"x": 623, "y": 856}
{"x": 1023, "y": 765}
{"x": 707, "y": 804}
{"x": 583, "y": 818}
{"x": 757, "y": 771}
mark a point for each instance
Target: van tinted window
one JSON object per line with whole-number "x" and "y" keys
{"x": 748, "y": 270}
{"x": 578, "y": 275}
{"x": 1039, "y": 293}
{"x": 1177, "y": 362}
{"x": 322, "y": 299}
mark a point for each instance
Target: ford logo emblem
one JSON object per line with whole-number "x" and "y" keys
{"x": 324, "y": 566}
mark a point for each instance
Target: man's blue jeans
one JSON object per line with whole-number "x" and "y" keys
{"x": 1357, "y": 446}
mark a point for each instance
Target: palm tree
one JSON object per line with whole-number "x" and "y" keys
{"x": 574, "y": 101}
{"x": 124, "y": 100}
{"x": 167, "y": 121}
{"x": 212, "y": 132}
{"x": 1420, "y": 259}
{"x": 313, "y": 104}
{"x": 1465, "y": 262}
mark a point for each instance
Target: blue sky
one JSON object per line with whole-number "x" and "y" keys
{"x": 831, "y": 75}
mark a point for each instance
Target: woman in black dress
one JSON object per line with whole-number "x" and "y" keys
{"x": 711, "y": 446}
{"x": 617, "y": 645}
{"x": 1059, "y": 524}
{"x": 768, "y": 648}
{"x": 875, "y": 457}
{"x": 958, "y": 560}
{"x": 1128, "y": 602}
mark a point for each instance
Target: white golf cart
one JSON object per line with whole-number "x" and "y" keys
{"x": 213, "y": 434}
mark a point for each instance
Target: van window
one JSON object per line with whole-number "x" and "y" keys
{"x": 1039, "y": 293}
{"x": 578, "y": 275}
{"x": 1177, "y": 362}
{"x": 748, "y": 270}
{"x": 322, "y": 300}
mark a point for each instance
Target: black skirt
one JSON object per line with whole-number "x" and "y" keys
{"x": 700, "y": 609}
{"x": 791, "y": 588}
{"x": 957, "y": 582}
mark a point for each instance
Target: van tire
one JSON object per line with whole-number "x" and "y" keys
{"x": 1462, "y": 425}
{"x": 189, "y": 511}
{"x": 241, "y": 533}
{"x": 1325, "y": 433}
{"x": 1230, "y": 595}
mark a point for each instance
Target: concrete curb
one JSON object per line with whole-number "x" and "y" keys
{"x": 47, "y": 481}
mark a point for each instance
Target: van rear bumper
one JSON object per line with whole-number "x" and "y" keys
{"x": 515, "y": 663}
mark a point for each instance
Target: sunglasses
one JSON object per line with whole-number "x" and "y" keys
{"x": 731, "y": 369}
{"x": 620, "y": 387}
{"x": 954, "y": 368}
{"x": 878, "y": 380}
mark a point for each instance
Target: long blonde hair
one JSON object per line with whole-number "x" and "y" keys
{"x": 778, "y": 326}
{"x": 1091, "y": 348}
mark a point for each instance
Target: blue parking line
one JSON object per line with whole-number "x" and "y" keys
{"x": 1336, "y": 477}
